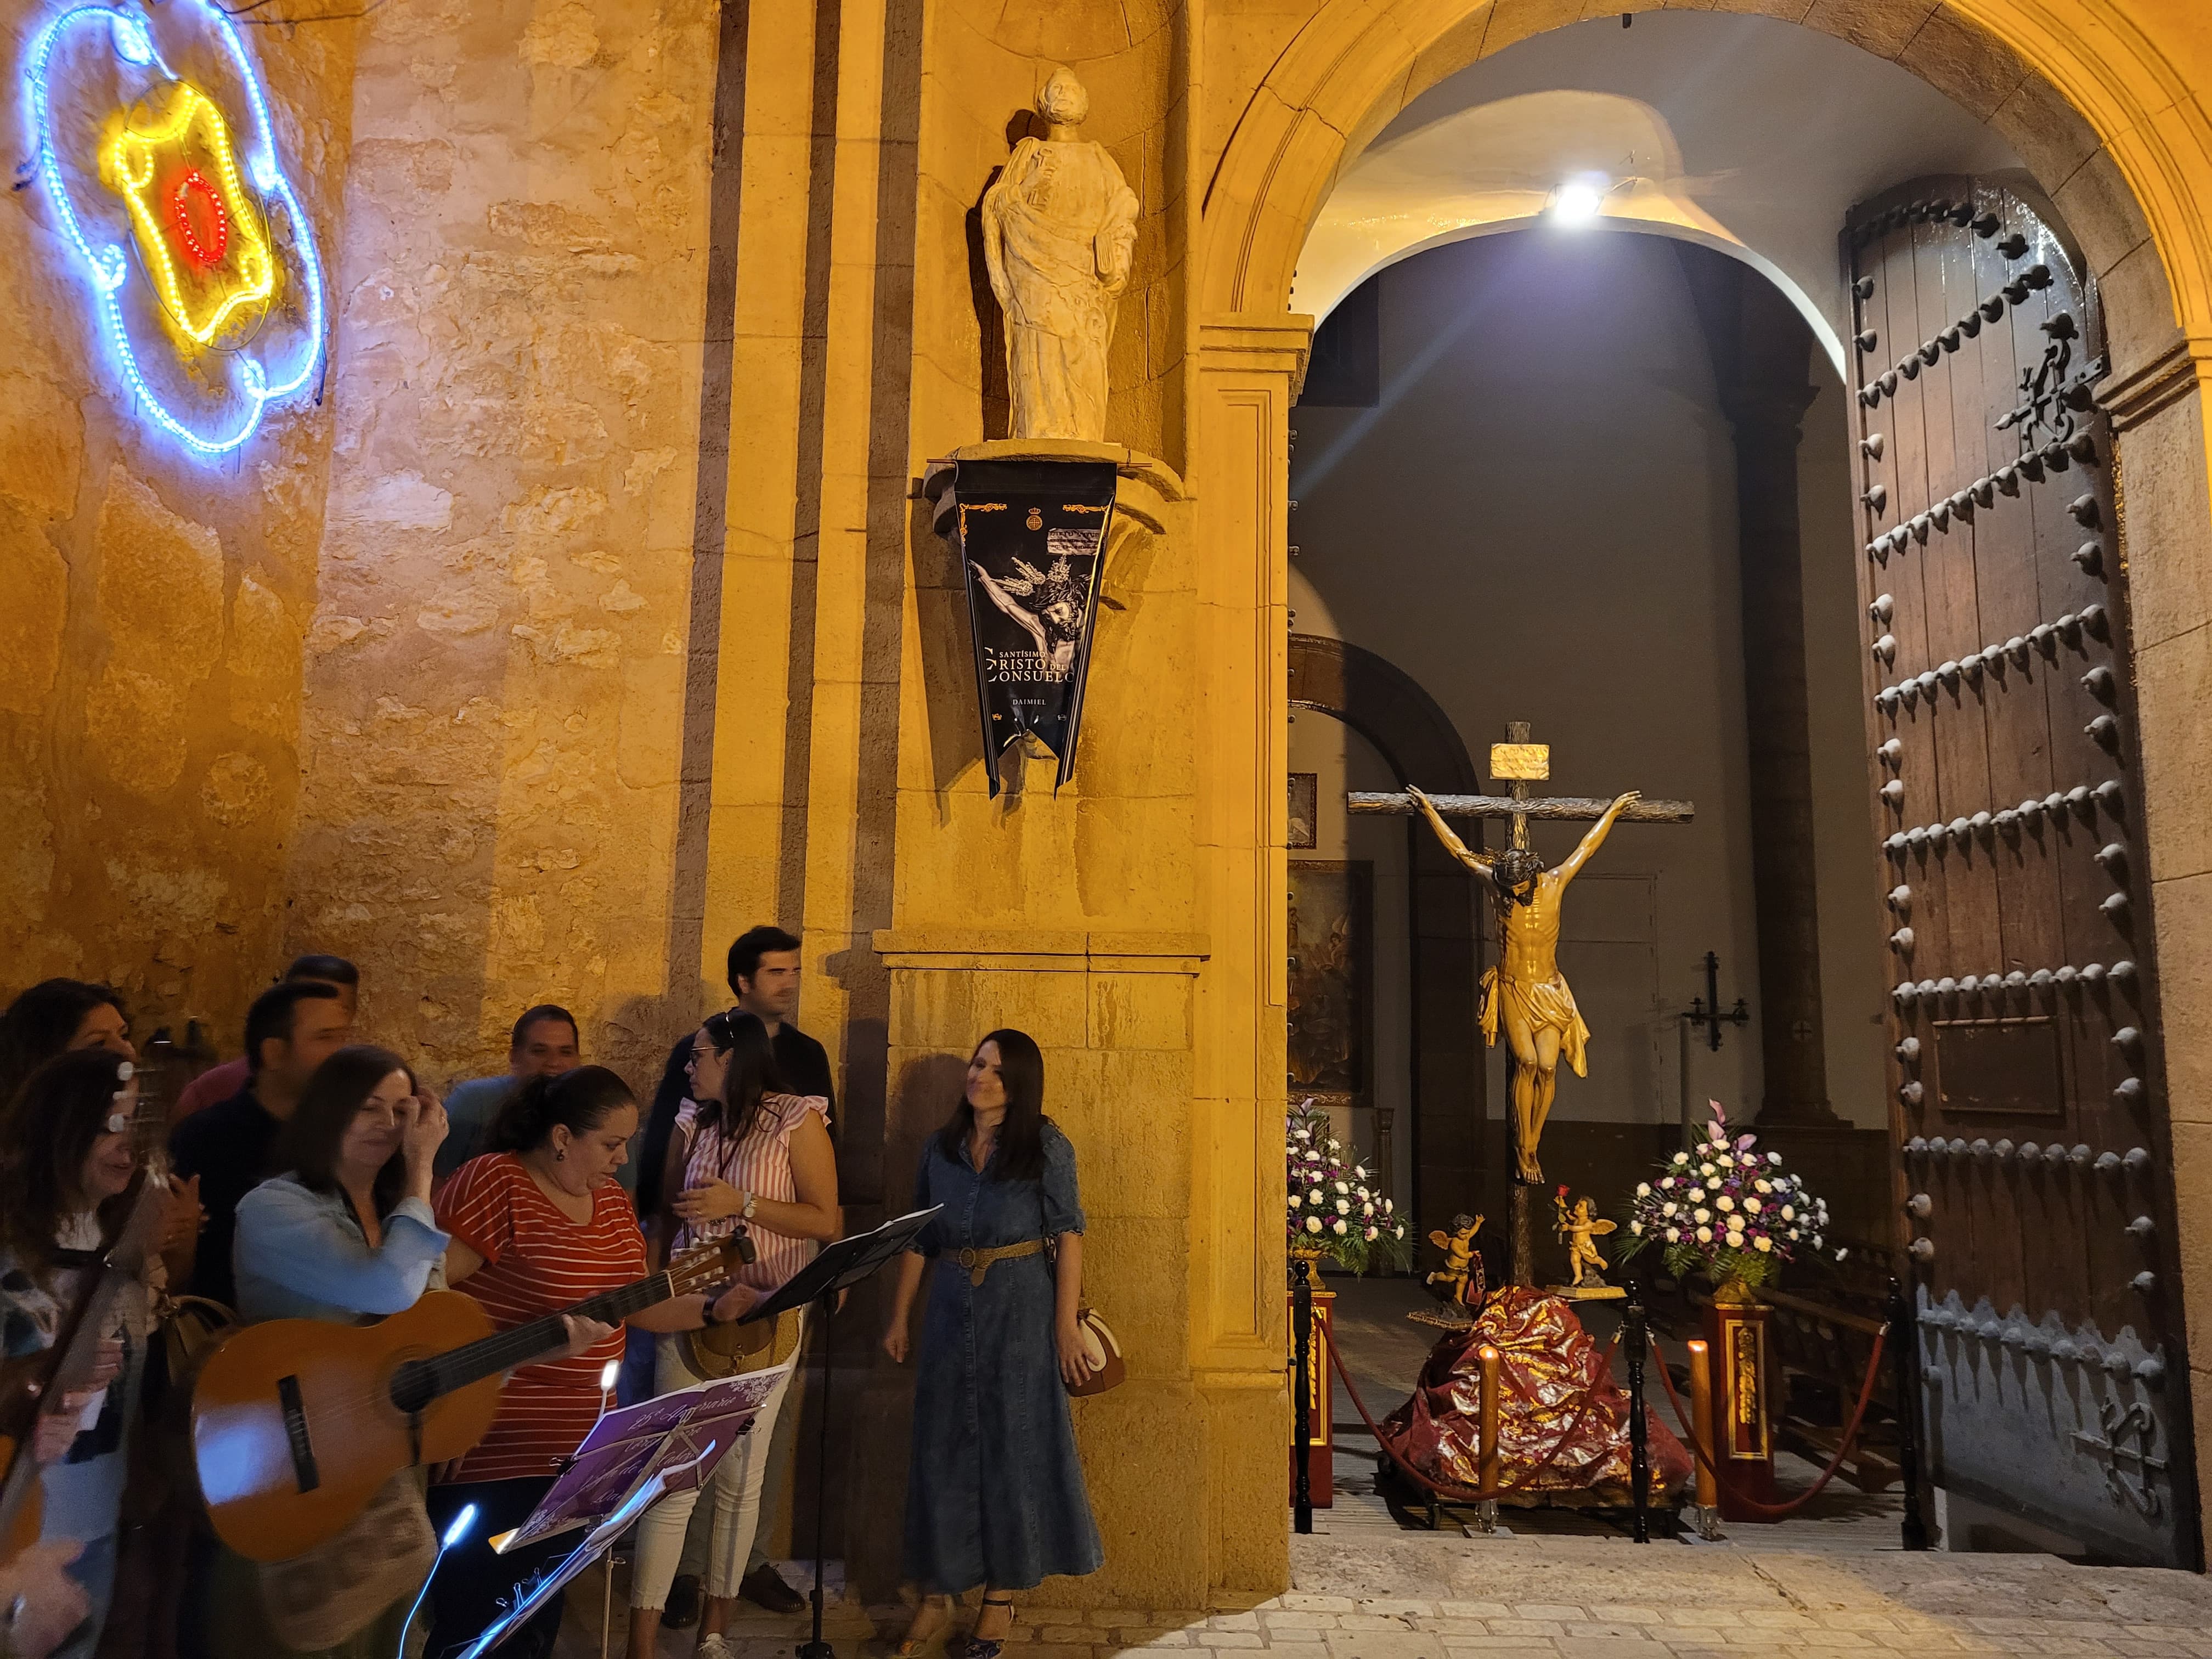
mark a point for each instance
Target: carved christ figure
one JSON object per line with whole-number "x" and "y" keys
{"x": 1525, "y": 992}
{"x": 1060, "y": 232}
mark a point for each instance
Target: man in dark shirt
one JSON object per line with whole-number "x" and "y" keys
{"x": 291, "y": 1029}
{"x": 764, "y": 977}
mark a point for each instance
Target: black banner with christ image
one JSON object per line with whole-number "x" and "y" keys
{"x": 1031, "y": 536}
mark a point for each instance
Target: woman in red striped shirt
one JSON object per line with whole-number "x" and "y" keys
{"x": 539, "y": 1224}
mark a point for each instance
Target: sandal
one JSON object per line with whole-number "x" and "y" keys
{"x": 913, "y": 1647}
{"x": 985, "y": 1647}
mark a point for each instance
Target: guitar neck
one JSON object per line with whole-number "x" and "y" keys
{"x": 522, "y": 1343}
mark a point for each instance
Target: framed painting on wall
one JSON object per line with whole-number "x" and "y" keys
{"x": 1305, "y": 821}
{"x": 1332, "y": 1012}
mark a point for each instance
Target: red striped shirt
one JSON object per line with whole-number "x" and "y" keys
{"x": 537, "y": 1261}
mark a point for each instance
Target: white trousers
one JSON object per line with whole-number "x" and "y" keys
{"x": 735, "y": 1489}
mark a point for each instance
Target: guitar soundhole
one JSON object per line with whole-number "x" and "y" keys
{"x": 295, "y": 1431}
{"x": 414, "y": 1386}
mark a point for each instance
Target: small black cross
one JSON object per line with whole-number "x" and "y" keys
{"x": 1706, "y": 1011}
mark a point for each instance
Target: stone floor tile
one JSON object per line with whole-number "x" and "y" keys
{"x": 1616, "y": 1613}
{"x": 1082, "y": 1635}
{"x": 1299, "y": 1601}
{"x": 1224, "y": 1639}
{"x": 1294, "y": 1620}
{"x": 1235, "y": 1621}
{"x": 1392, "y": 1608}
{"x": 1527, "y": 1627}
{"x": 1858, "y": 1619}
{"x": 1384, "y": 1644}
{"x": 1491, "y": 1647}
{"x": 1473, "y": 1610}
{"x": 1363, "y": 1621}
{"x": 1558, "y": 1611}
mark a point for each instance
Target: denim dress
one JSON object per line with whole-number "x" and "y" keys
{"x": 994, "y": 1489}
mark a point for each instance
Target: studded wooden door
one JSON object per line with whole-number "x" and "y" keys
{"x": 2029, "y": 1103}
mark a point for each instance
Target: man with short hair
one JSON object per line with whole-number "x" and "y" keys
{"x": 543, "y": 1043}
{"x": 764, "y": 976}
{"x": 221, "y": 1082}
{"x": 291, "y": 1029}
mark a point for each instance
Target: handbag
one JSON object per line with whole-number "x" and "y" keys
{"x": 1103, "y": 1352}
{"x": 729, "y": 1349}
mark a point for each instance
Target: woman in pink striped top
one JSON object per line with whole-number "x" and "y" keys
{"x": 744, "y": 1154}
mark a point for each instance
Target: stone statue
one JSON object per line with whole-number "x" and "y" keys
{"x": 1060, "y": 232}
{"x": 1526, "y": 992}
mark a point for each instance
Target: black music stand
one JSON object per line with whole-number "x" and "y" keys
{"x": 838, "y": 1267}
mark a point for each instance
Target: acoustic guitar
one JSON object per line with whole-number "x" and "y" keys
{"x": 297, "y": 1423}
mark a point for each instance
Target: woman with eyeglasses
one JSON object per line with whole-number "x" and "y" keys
{"x": 347, "y": 1235}
{"x": 744, "y": 1155}
{"x": 68, "y": 1155}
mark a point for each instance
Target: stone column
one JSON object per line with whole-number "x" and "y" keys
{"x": 1765, "y": 392}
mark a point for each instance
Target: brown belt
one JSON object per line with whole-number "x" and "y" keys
{"x": 978, "y": 1262}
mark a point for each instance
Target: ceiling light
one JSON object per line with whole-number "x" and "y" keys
{"x": 1577, "y": 202}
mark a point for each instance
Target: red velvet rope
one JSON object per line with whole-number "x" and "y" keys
{"x": 1851, "y": 1435}
{"x": 1466, "y": 1494}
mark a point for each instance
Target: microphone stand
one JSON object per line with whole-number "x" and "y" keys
{"x": 818, "y": 1649}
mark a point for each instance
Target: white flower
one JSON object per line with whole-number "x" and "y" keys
{"x": 1315, "y": 1197}
{"x": 1701, "y": 1214}
{"x": 1763, "y": 1186}
{"x": 1669, "y": 1209}
{"x": 1774, "y": 1158}
{"x": 1636, "y": 1227}
{"x": 1343, "y": 1207}
{"x": 1313, "y": 1224}
{"x": 1788, "y": 1212}
{"x": 1705, "y": 1234}
{"x": 1301, "y": 1134}
{"x": 1724, "y": 1202}
{"x": 1681, "y": 1157}
{"x": 1762, "y": 1243}
{"x": 1313, "y": 1157}
{"x": 1674, "y": 1235}
{"x": 1340, "y": 1225}
{"x": 1343, "y": 1187}
{"x": 1643, "y": 1189}
{"x": 1816, "y": 1241}
{"x": 1294, "y": 1200}
{"x": 1333, "y": 1146}
{"x": 1752, "y": 1206}
{"x": 1388, "y": 1208}
{"x": 1360, "y": 1171}
{"x": 1735, "y": 1240}
{"x": 1706, "y": 1170}
{"x": 1366, "y": 1210}
{"x": 1371, "y": 1233}
{"x": 1843, "y": 1252}
{"x": 1666, "y": 1181}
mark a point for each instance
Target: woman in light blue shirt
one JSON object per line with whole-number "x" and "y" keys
{"x": 347, "y": 1236}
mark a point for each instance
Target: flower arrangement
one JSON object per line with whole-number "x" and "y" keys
{"x": 1333, "y": 1212}
{"x": 1726, "y": 1207}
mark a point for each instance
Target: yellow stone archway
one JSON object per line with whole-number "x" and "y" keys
{"x": 2097, "y": 96}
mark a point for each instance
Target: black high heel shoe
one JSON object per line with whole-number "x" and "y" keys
{"x": 984, "y": 1647}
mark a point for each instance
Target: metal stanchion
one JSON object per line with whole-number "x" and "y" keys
{"x": 1701, "y": 1434}
{"x": 1905, "y": 1340}
{"x": 1302, "y": 1415}
{"x": 1639, "y": 1450}
{"x": 1488, "y": 1470}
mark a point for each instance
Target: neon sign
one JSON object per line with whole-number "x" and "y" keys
{"x": 158, "y": 159}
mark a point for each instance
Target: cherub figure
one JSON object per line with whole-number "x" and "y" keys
{"x": 1577, "y": 1228}
{"x": 1462, "y": 1265}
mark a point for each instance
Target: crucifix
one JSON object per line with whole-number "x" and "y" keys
{"x": 1525, "y": 992}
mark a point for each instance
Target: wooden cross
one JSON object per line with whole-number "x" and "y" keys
{"x": 1520, "y": 763}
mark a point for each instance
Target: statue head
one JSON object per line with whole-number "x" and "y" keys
{"x": 1064, "y": 102}
{"x": 1516, "y": 872}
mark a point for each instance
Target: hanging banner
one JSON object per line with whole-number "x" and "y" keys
{"x": 1031, "y": 536}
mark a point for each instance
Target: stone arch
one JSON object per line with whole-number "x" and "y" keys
{"x": 2084, "y": 123}
{"x": 2114, "y": 137}
{"x": 1418, "y": 742}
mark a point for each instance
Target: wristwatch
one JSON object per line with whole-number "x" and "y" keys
{"x": 746, "y": 1214}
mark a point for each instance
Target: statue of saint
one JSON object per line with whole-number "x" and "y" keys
{"x": 1525, "y": 992}
{"x": 1060, "y": 232}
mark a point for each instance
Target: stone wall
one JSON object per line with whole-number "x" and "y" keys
{"x": 495, "y": 665}
{"x": 150, "y": 632}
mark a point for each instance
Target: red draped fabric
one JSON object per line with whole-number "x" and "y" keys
{"x": 1549, "y": 1368}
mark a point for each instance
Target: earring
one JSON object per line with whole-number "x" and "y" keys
{"x": 558, "y": 1155}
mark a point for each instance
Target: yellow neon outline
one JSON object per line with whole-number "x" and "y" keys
{"x": 129, "y": 158}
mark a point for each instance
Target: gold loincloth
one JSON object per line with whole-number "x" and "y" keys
{"x": 1547, "y": 1006}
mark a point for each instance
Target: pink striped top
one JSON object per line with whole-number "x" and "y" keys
{"x": 760, "y": 1163}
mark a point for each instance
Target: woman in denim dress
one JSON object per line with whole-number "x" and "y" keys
{"x": 994, "y": 1489}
